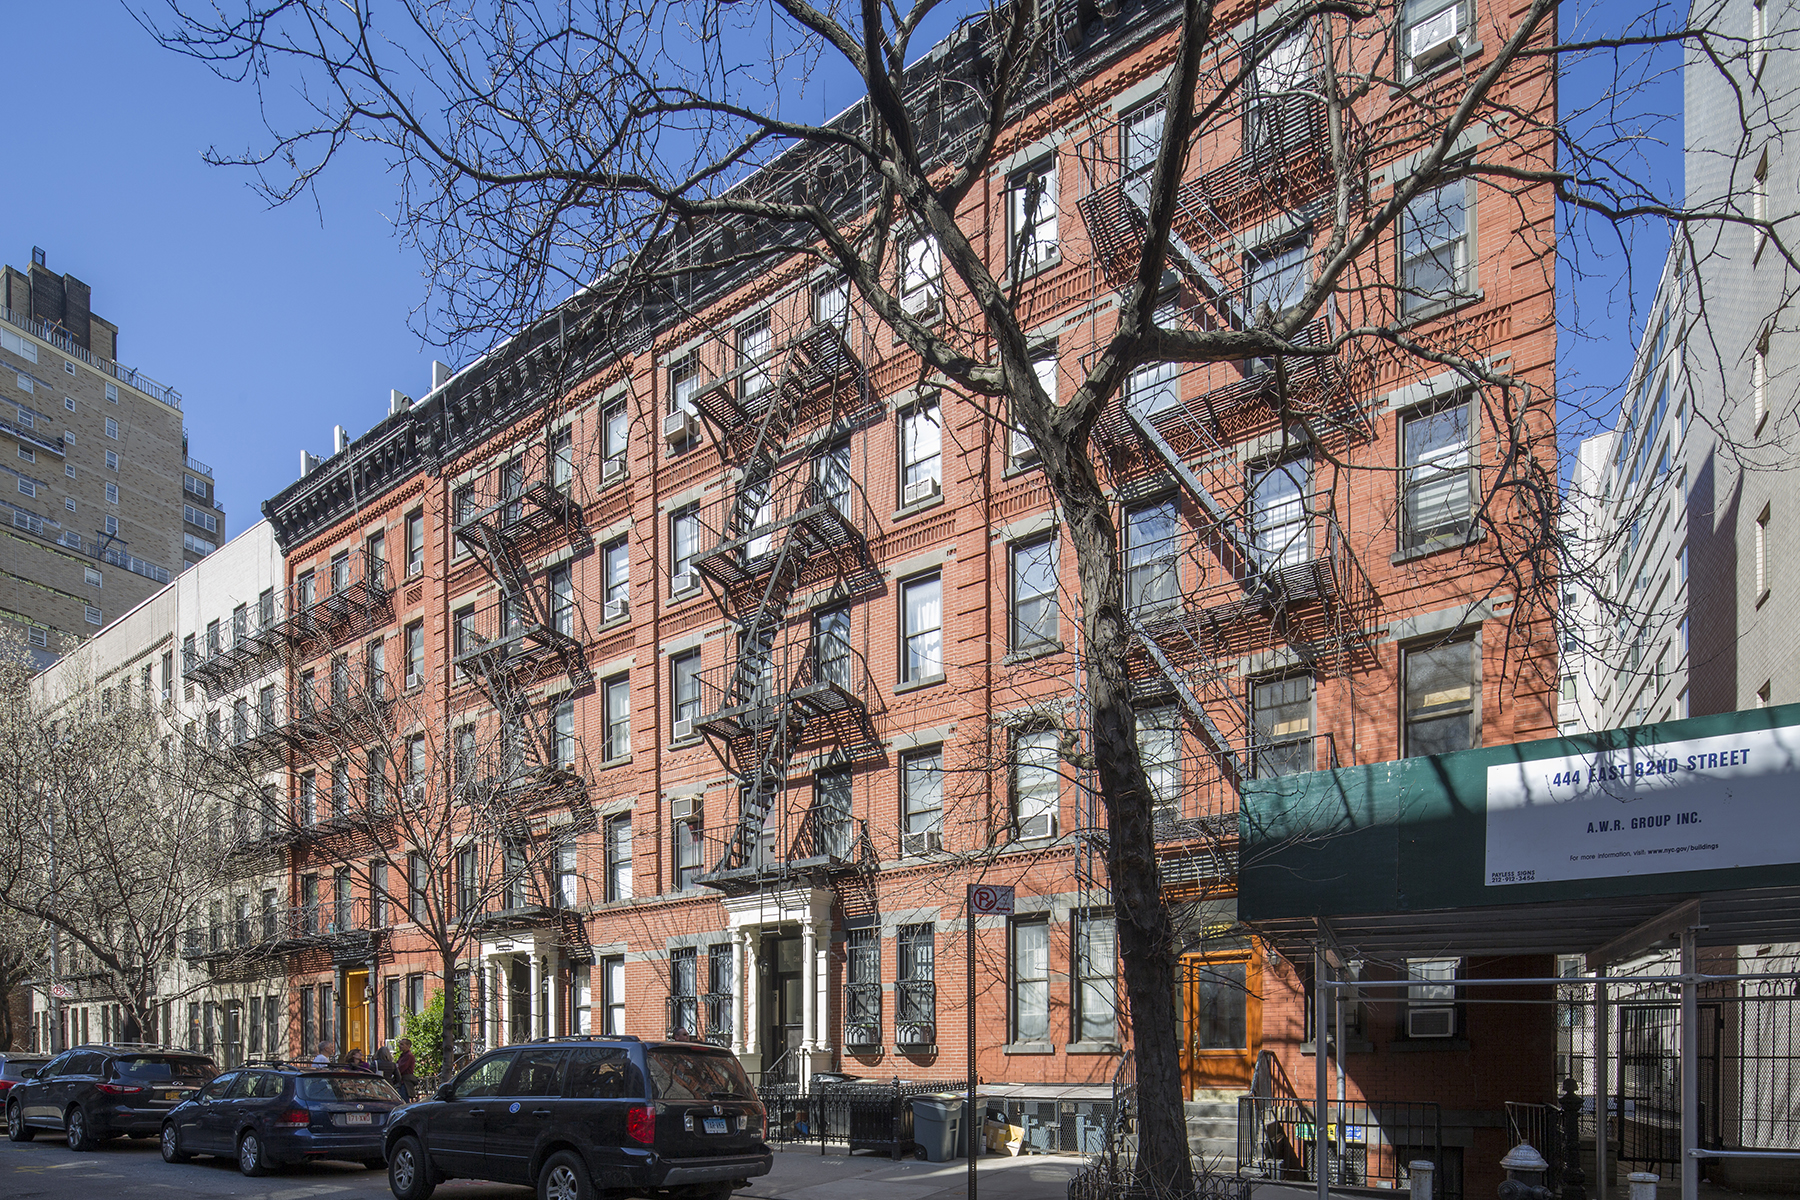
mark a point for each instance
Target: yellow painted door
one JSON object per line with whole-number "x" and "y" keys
{"x": 356, "y": 1011}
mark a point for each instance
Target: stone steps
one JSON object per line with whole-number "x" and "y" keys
{"x": 1212, "y": 1130}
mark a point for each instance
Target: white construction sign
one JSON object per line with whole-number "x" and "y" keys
{"x": 1697, "y": 805}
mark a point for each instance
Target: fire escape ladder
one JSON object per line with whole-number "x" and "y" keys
{"x": 1216, "y": 742}
{"x": 1187, "y": 261}
{"x": 1255, "y": 580}
{"x": 786, "y": 727}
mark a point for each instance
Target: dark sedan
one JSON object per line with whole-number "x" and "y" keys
{"x": 267, "y": 1117}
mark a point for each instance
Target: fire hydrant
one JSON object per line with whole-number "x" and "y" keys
{"x": 1525, "y": 1169}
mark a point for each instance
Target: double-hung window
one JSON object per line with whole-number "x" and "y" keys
{"x": 684, "y": 688}
{"x": 1142, "y": 135}
{"x": 915, "y": 991}
{"x": 1096, "y": 971}
{"x": 615, "y": 433}
{"x": 922, "y": 788}
{"x": 1031, "y": 200}
{"x": 1439, "y": 690}
{"x": 684, "y": 547}
{"x": 831, "y": 647}
{"x": 562, "y": 458}
{"x": 415, "y": 654}
{"x": 831, "y": 813}
{"x": 1438, "y": 479}
{"x": 1279, "y": 528}
{"x": 618, "y": 857}
{"x": 562, "y": 734}
{"x": 1033, "y": 609}
{"x": 755, "y": 341}
{"x": 921, "y": 453}
{"x": 1159, "y": 752}
{"x": 1036, "y": 783}
{"x": 689, "y": 847}
{"x": 1275, "y": 115}
{"x": 615, "y": 584}
{"x": 1021, "y": 450}
{"x": 415, "y": 544}
{"x": 562, "y": 600}
{"x": 618, "y": 717}
{"x": 922, "y": 618}
{"x": 1436, "y": 262}
{"x": 1431, "y": 33}
{"x": 1152, "y": 579}
{"x": 1281, "y": 713}
{"x": 1030, "y": 979}
{"x": 921, "y": 276}
{"x": 1274, "y": 278}
{"x": 831, "y": 303}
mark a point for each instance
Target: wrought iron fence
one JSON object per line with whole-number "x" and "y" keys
{"x": 1369, "y": 1144}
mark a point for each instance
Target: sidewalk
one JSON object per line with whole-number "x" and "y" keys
{"x": 802, "y": 1173}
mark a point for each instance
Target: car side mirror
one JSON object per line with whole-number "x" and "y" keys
{"x": 447, "y": 1092}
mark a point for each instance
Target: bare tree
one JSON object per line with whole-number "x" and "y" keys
{"x": 619, "y": 154}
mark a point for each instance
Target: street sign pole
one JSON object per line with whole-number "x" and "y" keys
{"x": 989, "y": 901}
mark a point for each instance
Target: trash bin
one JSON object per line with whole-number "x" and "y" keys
{"x": 937, "y": 1126}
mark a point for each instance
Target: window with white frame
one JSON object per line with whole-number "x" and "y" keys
{"x": 615, "y": 434}
{"x": 921, "y": 276}
{"x": 689, "y": 849}
{"x": 1096, "y": 971}
{"x": 1159, "y": 752}
{"x": 112, "y": 428}
{"x": 1022, "y": 450}
{"x": 612, "y": 994}
{"x": 112, "y": 493}
{"x": 921, "y": 453}
{"x": 1438, "y": 479}
{"x": 1033, "y": 608}
{"x": 1141, "y": 139}
{"x": 1036, "y": 782}
{"x": 27, "y": 453}
{"x": 1280, "y": 531}
{"x": 617, "y": 691}
{"x": 1436, "y": 251}
{"x": 684, "y": 688}
{"x": 1274, "y": 278}
{"x": 561, "y": 581}
{"x": 1277, "y": 104}
{"x": 1152, "y": 539}
{"x": 415, "y": 544}
{"x": 562, "y": 733}
{"x": 684, "y": 381}
{"x": 1281, "y": 714}
{"x": 755, "y": 343}
{"x": 922, "y": 789}
{"x": 618, "y": 857}
{"x": 831, "y": 303}
{"x": 1031, "y": 202}
{"x": 922, "y": 629}
{"x": 1439, "y": 691}
{"x": 1431, "y": 34}
{"x": 615, "y": 577}
{"x": 684, "y": 547}
{"x": 1029, "y": 977}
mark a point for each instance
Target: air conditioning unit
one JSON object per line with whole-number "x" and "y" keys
{"x": 614, "y": 609}
{"x": 413, "y": 680}
{"x": 684, "y": 808}
{"x": 921, "y": 843}
{"x": 1430, "y": 1022}
{"x": 1434, "y": 37}
{"x": 684, "y": 729}
{"x": 678, "y": 426}
{"x": 919, "y": 301}
{"x": 1041, "y": 826}
{"x": 1024, "y": 450}
{"x": 612, "y": 469}
{"x": 683, "y": 583}
{"x": 924, "y": 489}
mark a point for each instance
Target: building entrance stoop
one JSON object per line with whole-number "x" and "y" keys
{"x": 1212, "y": 1130}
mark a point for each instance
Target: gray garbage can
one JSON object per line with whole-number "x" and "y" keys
{"x": 937, "y": 1127}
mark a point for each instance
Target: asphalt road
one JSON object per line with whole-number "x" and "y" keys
{"x": 124, "y": 1169}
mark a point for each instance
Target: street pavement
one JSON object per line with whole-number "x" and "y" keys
{"x": 124, "y": 1169}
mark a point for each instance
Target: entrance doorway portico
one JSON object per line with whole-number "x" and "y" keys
{"x": 782, "y": 941}
{"x": 517, "y": 971}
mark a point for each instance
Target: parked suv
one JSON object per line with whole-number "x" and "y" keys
{"x": 13, "y": 1068}
{"x": 271, "y": 1114}
{"x": 95, "y": 1092}
{"x": 579, "y": 1116}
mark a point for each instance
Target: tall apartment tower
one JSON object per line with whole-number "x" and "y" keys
{"x": 103, "y": 505}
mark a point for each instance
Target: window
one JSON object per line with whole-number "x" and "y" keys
{"x": 210, "y": 523}
{"x": 1020, "y": 448}
{"x": 1274, "y": 277}
{"x": 921, "y": 276}
{"x": 1432, "y": 987}
{"x": 687, "y": 836}
{"x": 1275, "y": 117}
{"x": 1159, "y": 752}
{"x": 112, "y": 493}
{"x": 91, "y": 576}
{"x": 415, "y": 544}
{"x": 1759, "y": 205}
{"x": 1759, "y": 38}
{"x": 1440, "y": 690}
{"x": 265, "y": 608}
{"x": 1438, "y": 480}
{"x": 754, "y": 344}
{"x": 562, "y": 600}
{"x": 915, "y": 991}
{"x": 375, "y": 670}
{"x": 618, "y": 718}
{"x": 615, "y": 433}
{"x": 862, "y": 987}
{"x": 921, "y": 454}
{"x": 1151, "y": 537}
{"x": 1220, "y": 995}
{"x": 1036, "y": 783}
{"x": 1435, "y": 257}
{"x": 831, "y": 303}
{"x": 1430, "y": 34}
{"x": 29, "y": 488}
{"x": 616, "y": 578}
{"x": 1762, "y": 554}
{"x": 1096, "y": 972}
{"x": 832, "y": 792}
{"x": 69, "y": 503}
{"x": 618, "y": 857}
{"x": 1031, "y": 201}
{"x": 111, "y": 522}
{"x": 922, "y": 786}
{"x": 28, "y": 454}
{"x": 1033, "y": 609}
{"x": 562, "y": 733}
{"x": 195, "y": 545}
{"x": 922, "y": 617}
{"x": 612, "y": 994}
{"x": 415, "y": 654}
{"x": 684, "y": 678}
{"x": 684, "y": 381}
{"x": 1142, "y": 141}
{"x": 831, "y": 647}
{"x": 562, "y": 457}
{"x": 468, "y": 881}
{"x": 112, "y": 429}
{"x": 1759, "y": 383}
{"x": 340, "y": 791}
{"x": 378, "y": 896}
{"x": 1030, "y": 979}
{"x": 684, "y": 545}
{"x": 463, "y": 509}
{"x": 684, "y": 1000}
{"x": 1281, "y": 715}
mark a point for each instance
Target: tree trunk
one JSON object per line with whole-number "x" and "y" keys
{"x": 1145, "y": 933}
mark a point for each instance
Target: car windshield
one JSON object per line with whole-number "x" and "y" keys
{"x": 346, "y": 1087}
{"x": 696, "y": 1075}
{"x": 158, "y": 1069}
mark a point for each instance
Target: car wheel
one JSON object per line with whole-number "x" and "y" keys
{"x": 409, "y": 1171}
{"x": 564, "y": 1177}
{"x": 75, "y": 1126}
{"x": 251, "y": 1160}
{"x": 171, "y": 1146}
{"x": 16, "y": 1128}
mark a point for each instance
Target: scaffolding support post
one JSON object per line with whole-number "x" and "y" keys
{"x": 1690, "y": 1065}
{"x": 1602, "y": 1097}
{"x": 1321, "y": 1042}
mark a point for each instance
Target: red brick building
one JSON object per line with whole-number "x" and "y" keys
{"x": 775, "y": 634}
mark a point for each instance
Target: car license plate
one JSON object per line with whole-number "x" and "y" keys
{"x": 357, "y": 1118}
{"x": 717, "y": 1124}
{"x": 171, "y": 1095}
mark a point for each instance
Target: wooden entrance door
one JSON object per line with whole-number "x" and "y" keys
{"x": 1220, "y": 1002}
{"x": 356, "y": 1011}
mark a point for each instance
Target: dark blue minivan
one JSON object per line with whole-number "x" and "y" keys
{"x": 272, "y": 1115}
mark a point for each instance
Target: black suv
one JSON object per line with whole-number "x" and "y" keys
{"x": 95, "y": 1092}
{"x": 579, "y": 1116}
{"x": 270, "y": 1114}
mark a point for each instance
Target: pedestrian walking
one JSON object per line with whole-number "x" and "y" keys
{"x": 405, "y": 1067}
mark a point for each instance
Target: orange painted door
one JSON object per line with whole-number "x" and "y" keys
{"x": 1220, "y": 1004}
{"x": 356, "y": 1011}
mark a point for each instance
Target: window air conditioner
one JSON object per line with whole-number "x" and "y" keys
{"x": 683, "y": 583}
{"x": 678, "y": 426}
{"x": 919, "y": 301}
{"x": 413, "y": 680}
{"x": 921, "y": 843}
{"x": 1041, "y": 826}
{"x": 684, "y": 729}
{"x": 1434, "y": 37}
{"x": 685, "y": 808}
{"x": 1024, "y": 450}
{"x": 1430, "y": 1022}
{"x": 612, "y": 469}
{"x": 615, "y": 609}
{"x": 924, "y": 489}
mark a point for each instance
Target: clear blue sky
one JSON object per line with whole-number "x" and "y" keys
{"x": 276, "y": 325}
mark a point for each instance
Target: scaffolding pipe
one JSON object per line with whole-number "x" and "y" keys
{"x": 1602, "y": 1107}
{"x": 1572, "y": 980}
{"x": 1321, "y": 1039}
{"x": 1690, "y": 1066}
